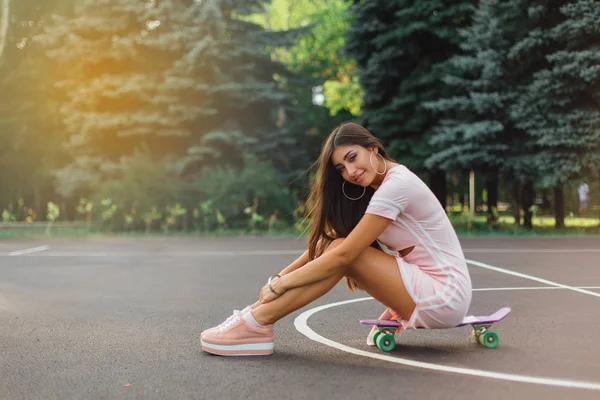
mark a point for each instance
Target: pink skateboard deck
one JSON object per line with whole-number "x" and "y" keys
{"x": 480, "y": 324}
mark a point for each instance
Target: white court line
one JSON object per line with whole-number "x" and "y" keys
{"x": 532, "y": 278}
{"x": 502, "y": 289}
{"x": 244, "y": 253}
{"x": 466, "y": 250}
{"x": 531, "y": 250}
{"x": 68, "y": 254}
{"x": 28, "y": 251}
{"x": 291, "y": 252}
{"x": 302, "y": 326}
{"x": 273, "y": 252}
{"x": 169, "y": 254}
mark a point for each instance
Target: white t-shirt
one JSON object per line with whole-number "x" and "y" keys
{"x": 584, "y": 191}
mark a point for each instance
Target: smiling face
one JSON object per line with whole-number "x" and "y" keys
{"x": 352, "y": 162}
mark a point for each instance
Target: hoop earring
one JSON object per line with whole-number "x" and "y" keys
{"x": 350, "y": 198}
{"x": 384, "y": 164}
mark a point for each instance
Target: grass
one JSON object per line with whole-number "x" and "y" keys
{"x": 36, "y": 232}
{"x": 83, "y": 231}
{"x": 542, "y": 226}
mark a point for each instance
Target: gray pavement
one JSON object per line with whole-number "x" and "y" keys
{"x": 120, "y": 319}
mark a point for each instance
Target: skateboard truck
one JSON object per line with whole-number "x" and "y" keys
{"x": 483, "y": 336}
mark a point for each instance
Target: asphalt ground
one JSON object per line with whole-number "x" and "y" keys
{"x": 121, "y": 318}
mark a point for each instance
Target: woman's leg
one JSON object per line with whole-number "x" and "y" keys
{"x": 293, "y": 300}
{"x": 374, "y": 270}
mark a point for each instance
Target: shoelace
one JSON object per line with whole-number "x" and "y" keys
{"x": 230, "y": 317}
{"x": 229, "y": 322}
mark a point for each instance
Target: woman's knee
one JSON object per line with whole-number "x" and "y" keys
{"x": 335, "y": 243}
{"x": 332, "y": 245}
{"x": 360, "y": 260}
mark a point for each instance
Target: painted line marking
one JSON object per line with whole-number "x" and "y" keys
{"x": 493, "y": 289}
{"x": 531, "y": 278}
{"x": 166, "y": 253}
{"x": 270, "y": 252}
{"x": 69, "y": 254}
{"x": 28, "y": 251}
{"x": 531, "y": 250}
{"x": 466, "y": 250}
{"x": 56, "y": 254}
{"x": 244, "y": 253}
{"x": 302, "y": 326}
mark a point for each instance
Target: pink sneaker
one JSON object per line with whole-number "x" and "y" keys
{"x": 232, "y": 316}
{"x": 235, "y": 337}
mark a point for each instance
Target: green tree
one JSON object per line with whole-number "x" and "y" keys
{"x": 109, "y": 58}
{"x": 4, "y": 17}
{"x": 325, "y": 91}
{"x": 398, "y": 46}
{"x": 317, "y": 50}
{"x": 189, "y": 80}
{"x": 113, "y": 55}
{"x": 229, "y": 93}
{"x": 30, "y": 130}
{"x": 558, "y": 100}
{"x": 476, "y": 131}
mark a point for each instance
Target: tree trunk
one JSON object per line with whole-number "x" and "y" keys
{"x": 516, "y": 201}
{"x": 4, "y": 11}
{"x": 491, "y": 185}
{"x": 438, "y": 186}
{"x": 559, "y": 207}
{"x": 267, "y": 17}
{"x": 546, "y": 203}
{"x": 38, "y": 198}
{"x": 528, "y": 200}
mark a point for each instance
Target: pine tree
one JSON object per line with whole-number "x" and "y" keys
{"x": 398, "y": 46}
{"x": 476, "y": 132}
{"x": 190, "y": 81}
{"x": 228, "y": 99}
{"x": 559, "y": 106}
{"x": 567, "y": 99}
{"x": 113, "y": 55}
{"x": 30, "y": 130}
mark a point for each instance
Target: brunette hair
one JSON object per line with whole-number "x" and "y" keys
{"x": 332, "y": 215}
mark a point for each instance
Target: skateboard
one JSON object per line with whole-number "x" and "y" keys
{"x": 384, "y": 339}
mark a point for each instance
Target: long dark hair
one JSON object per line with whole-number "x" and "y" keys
{"x": 332, "y": 215}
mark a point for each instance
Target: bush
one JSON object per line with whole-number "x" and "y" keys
{"x": 135, "y": 191}
{"x": 250, "y": 197}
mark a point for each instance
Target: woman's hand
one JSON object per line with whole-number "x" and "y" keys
{"x": 266, "y": 295}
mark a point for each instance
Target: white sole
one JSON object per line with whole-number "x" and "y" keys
{"x": 239, "y": 347}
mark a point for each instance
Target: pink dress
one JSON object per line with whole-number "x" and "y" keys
{"x": 435, "y": 272}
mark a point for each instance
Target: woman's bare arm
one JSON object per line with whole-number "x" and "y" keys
{"x": 300, "y": 261}
{"x": 366, "y": 232}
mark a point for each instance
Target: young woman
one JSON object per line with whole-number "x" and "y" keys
{"x": 374, "y": 222}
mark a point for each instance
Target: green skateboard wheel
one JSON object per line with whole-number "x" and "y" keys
{"x": 489, "y": 339}
{"x": 376, "y": 335}
{"x": 386, "y": 342}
